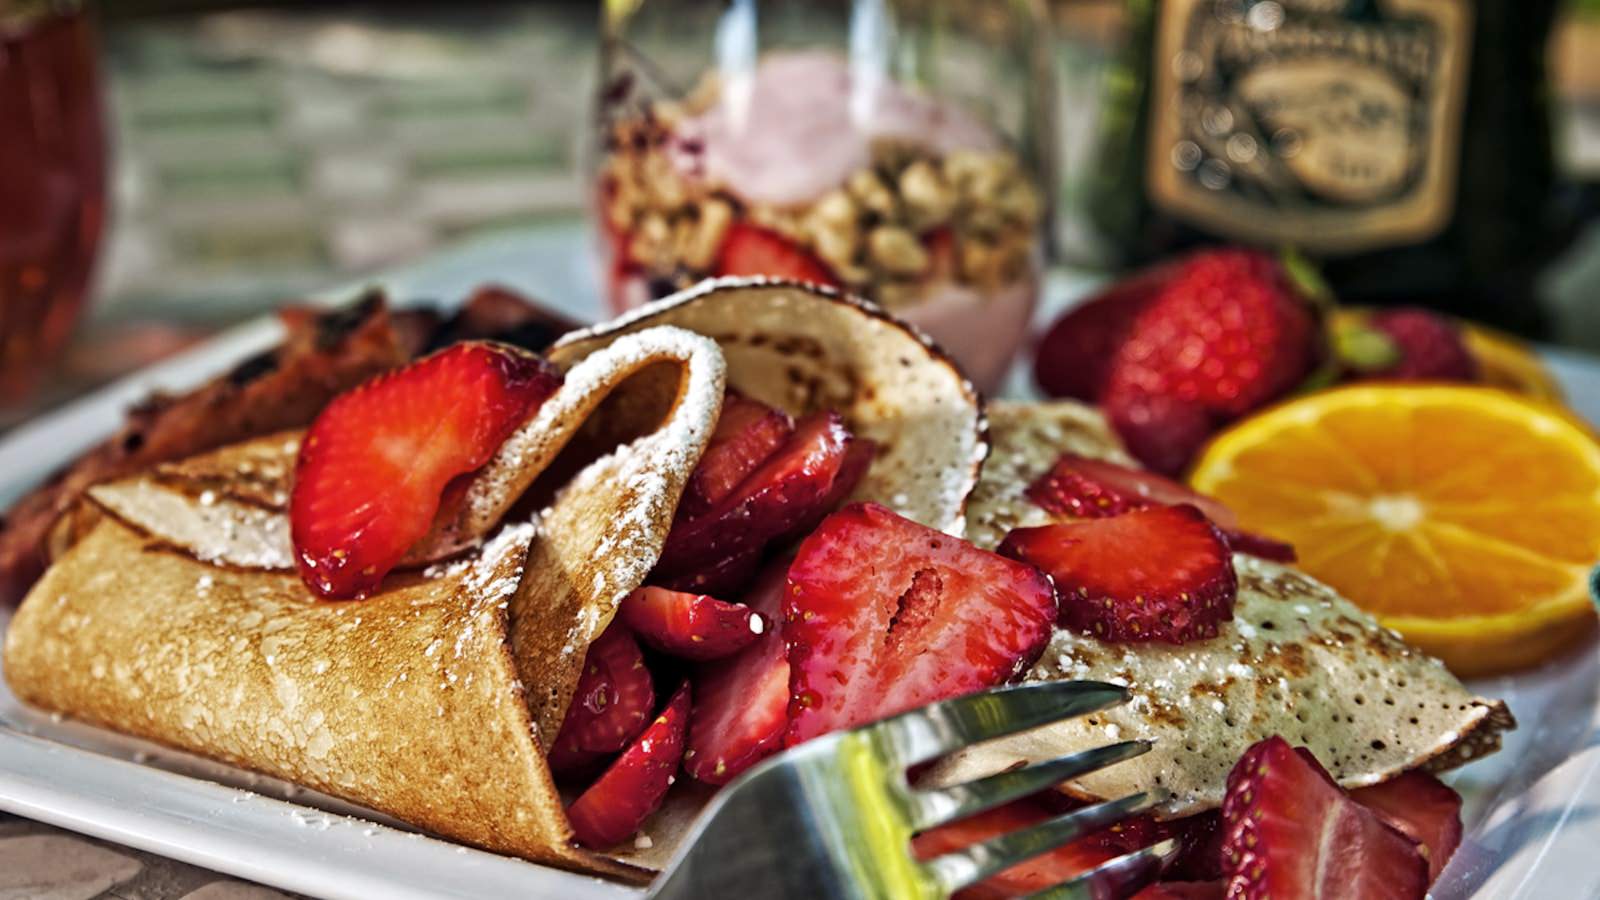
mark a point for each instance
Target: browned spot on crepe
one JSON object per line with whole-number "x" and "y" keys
{"x": 1298, "y": 660}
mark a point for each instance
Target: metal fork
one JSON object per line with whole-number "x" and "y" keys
{"x": 833, "y": 818}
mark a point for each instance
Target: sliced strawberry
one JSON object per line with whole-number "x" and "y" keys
{"x": 752, "y": 250}
{"x": 784, "y": 492}
{"x": 742, "y": 702}
{"x": 1182, "y": 890}
{"x": 1290, "y": 832}
{"x": 1082, "y": 487}
{"x": 941, "y": 246}
{"x": 1031, "y": 876}
{"x": 1422, "y": 808}
{"x": 1260, "y": 545}
{"x": 375, "y": 462}
{"x": 748, "y": 431}
{"x": 1074, "y": 356}
{"x": 728, "y": 576}
{"x": 858, "y": 457}
{"x": 690, "y": 626}
{"x": 884, "y": 614}
{"x": 631, "y": 789}
{"x": 1158, "y": 574}
{"x": 613, "y": 699}
{"x": 1200, "y": 858}
{"x": 567, "y": 760}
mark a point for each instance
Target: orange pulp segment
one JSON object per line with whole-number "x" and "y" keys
{"x": 1466, "y": 518}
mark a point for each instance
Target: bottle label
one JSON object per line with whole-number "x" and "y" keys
{"x": 1333, "y": 125}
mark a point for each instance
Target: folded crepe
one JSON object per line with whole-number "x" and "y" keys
{"x": 1298, "y": 660}
{"x": 173, "y": 611}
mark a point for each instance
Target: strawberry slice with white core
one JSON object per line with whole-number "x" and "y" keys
{"x": 1081, "y": 487}
{"x": 784, "y": 492}
{"x": 690, "y": 626}
{"x": 748, "y": 431}
{"x": 742, "y": 703}
{"x": 1291, "y": 832}
{"x": 1158, "y": 574}
{"x": 614, "y": 697}
{"x": 1422, "y": 808}
{"x": 752, "y": 250}
{"x": 614, "y": 807}
{"x": 374, "y": 464}
{"x": 884, "y": 614}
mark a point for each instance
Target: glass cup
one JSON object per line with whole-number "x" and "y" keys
{"x": 891, "y": 148}
{"x": 52, "y": 182}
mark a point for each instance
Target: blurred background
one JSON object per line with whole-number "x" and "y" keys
{"x": 259, "y": 151}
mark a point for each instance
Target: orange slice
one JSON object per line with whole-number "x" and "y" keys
{"x": 1466, "y": 518}
{"x": 1509, "y": 363}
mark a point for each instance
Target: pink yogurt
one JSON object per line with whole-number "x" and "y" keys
{"x": 803, "y": 122}
{"x": 800, "y": 125}
{"x": 982, "y": 331}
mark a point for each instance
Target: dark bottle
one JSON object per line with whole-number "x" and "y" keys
{"x": 1405, "y": 144}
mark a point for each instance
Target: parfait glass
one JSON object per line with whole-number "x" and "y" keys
{"x": 52, "y": 181}
{"x": 893, "y": 149}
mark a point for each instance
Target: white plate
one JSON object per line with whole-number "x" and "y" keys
{"x": 1532, "y": 812}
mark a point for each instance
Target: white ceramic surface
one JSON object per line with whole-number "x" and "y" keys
{"x": 1532, "y": 814}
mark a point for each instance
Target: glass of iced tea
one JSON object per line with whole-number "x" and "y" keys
{"x": 52, "y": 181}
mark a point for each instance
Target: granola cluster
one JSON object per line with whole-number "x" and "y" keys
{"x": 970, "y": 217}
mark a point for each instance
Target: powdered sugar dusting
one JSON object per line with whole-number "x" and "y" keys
{"x": 536, "y": 442}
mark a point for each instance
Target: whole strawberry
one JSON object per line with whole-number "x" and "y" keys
{"x": 1406, "y": 344}
{"x": 1073, "y": 358}
{"x": 1228, "y": 333}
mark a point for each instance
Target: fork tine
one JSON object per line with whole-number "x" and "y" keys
{"x": 940, "y": 728}
{"x": 935, "y": 807}
{"x": 1115, "y": 878}
{"x": 962, "y": 868}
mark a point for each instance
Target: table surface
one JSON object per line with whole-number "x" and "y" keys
{"x": 38, "y": 862}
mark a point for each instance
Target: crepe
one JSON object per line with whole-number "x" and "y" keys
{"x": 173, "y": 611}
{"x": 431, "y": 700}
{"x": 1298, "y": 660}
{"x": 800, "y": 349}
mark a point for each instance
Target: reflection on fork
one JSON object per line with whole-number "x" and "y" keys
{"x": 834, "y": 817}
